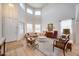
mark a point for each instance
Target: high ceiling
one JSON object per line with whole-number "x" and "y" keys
{"x": 41, "y": 5}
{"x": 37, "y": 5}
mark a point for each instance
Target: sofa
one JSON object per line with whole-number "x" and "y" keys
{"x": 51, "y": 34}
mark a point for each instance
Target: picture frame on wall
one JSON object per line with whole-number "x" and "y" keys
{"x": 50, "y": 27}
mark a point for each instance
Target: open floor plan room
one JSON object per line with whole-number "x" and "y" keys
{"x": 39, "y": 29}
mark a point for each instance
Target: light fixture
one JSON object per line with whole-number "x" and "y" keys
{"x": 11, "y": 5}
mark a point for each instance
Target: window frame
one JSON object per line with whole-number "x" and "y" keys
{"x": 38, "y": 13}
{"x": 29, "y": 11}
{"x": 20, "y": 28}
{"x": 36, "y": 28}
{"x": 29, "y": 28}
{"x": 66, "y": 25}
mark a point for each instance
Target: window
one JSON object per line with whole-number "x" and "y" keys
{"x": 37, "y": 28}
{"x": 37, "y": 13}
{"x": 66, "y": 24}
{"x": 22, "y": 6}
{"x": 29, "y": 28}
{"x": 29, "y": 11}
{"x": 21, "y": 28}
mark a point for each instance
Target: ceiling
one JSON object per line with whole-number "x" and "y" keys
{"x": 41, "y": 5}
{"x": 37, "y": 5}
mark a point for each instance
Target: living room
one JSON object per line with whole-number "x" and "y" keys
{"x": 39, "y": 21}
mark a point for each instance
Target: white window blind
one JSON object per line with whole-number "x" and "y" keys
{"x": 21, "y": 28}
{"x": 29, "y": 28}
{"x": 37, "y": 28}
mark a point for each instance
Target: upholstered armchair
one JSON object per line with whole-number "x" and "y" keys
{"x": 61, "y": 44}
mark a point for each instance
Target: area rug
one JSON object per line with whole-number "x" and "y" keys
{"x": 46, "y": 47}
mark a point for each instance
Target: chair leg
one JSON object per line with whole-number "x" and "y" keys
{"x": 53, "y": 48}
{"x": 2, "y": 54}
{"x": 0, "y": 50}
{"x": 70, "y": 49}
{"x": 64, "y": 52}
{"x": 3, "y": 50}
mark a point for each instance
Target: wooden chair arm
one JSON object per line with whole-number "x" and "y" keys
{"x": 66, "y": 46}
{"x": 60, "y": 43}
{"x": 54, "y": 42}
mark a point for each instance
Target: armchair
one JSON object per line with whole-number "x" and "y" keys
{"x": 61, "y": 44}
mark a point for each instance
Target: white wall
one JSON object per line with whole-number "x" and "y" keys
{"x": 10, "y": 15}
{"x": 0, "y": 21}
{"x": 21, "y": 20}
{"x": 37, "y": 18}
{"x": 52, "y": 13}
{"x": 77, "y": 24}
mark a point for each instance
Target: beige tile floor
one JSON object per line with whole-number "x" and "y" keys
{"x": 19, "y": 48}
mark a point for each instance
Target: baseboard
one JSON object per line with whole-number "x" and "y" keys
{"x": 11, "y": 41}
